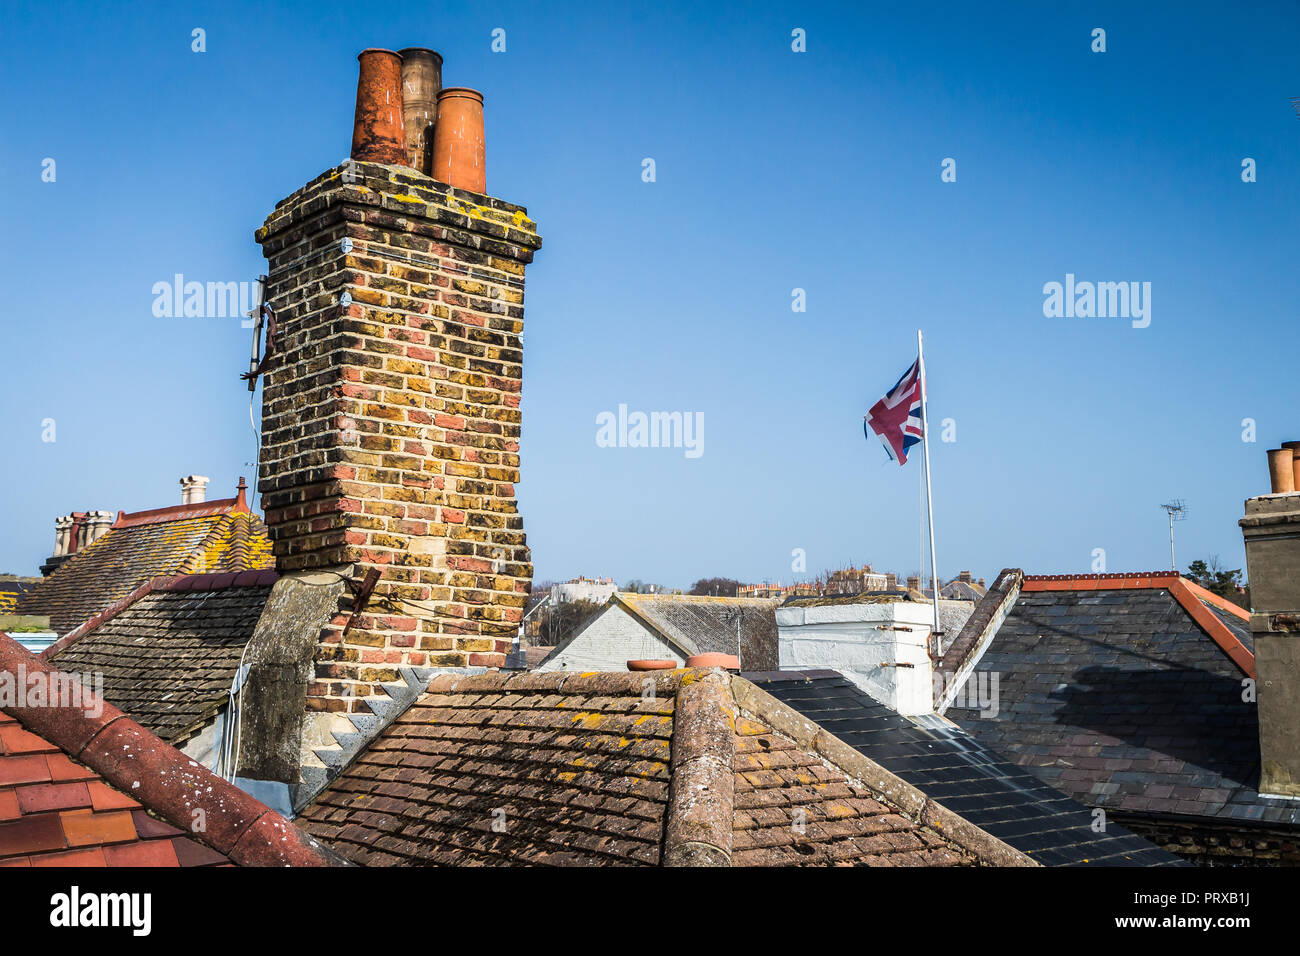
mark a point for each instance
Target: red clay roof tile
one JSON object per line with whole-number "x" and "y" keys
{"x": 71, "y": 784}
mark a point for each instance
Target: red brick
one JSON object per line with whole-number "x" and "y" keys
{"x": 15, "y": 740}
{"x": 27, "y": 769}
{"x": 35, "y": 834}
{"x": 52, "y": 796}
{"x": 62, "y": 768}
{"x": 9, "y": 805}
{"x": 86, "y": 827}
{"x": 142, "y": 853}
{"x": 104, "y": 797}
{"x": 93, "y": 856}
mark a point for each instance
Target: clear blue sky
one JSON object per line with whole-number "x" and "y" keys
{"x": 775, "y": 170}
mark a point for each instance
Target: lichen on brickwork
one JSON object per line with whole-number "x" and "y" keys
{"x": 391, "y": 424}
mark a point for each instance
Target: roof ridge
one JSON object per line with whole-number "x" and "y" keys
{"x": 210, "y": 581}
{"x": 1209, "y": 622}
{"x": 164, "y": 780}
{"x": 1100, "y": 582}
{"x": 206, "y": 509}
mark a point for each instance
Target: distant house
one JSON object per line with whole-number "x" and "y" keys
{"x": 100, "y": 560}
{"x": 596, "y": 590}
{"x": 882, "y": 642}
{"x": 671, "y": 627}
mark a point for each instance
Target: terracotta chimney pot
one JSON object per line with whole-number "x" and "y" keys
{"x": 726, "y": 661}
{"x": 458, "y": 144}
{"x": 378, "y": 132}
{"x": 651, "y": 665}
{"x": 1295, "y": 461}
{"x": 1281, "y": 470}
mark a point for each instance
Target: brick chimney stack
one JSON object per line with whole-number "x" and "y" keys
{"x": 390, "y": 412}
{"x": 1271, "y": 528}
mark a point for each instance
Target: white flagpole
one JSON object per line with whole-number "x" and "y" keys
{"x": 929, "y": 498}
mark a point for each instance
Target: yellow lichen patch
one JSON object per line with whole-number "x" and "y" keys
{"x": 623, "y": 742}
{"x": 640, "y": 720}
{"x": 839, "y": 810}
{"x": 406, "y": 197}
{"x": 568, "y": 776}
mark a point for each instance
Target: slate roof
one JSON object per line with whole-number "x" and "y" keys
{"x": 168, "y": 657}
{"x": 956, "y": 769}
{"x": 702, "y": 625}
{"x": 186, "y": 539}
{"x": 81, "y": 784}
{"x": 588, "y": 769}
{"x": 1126, "y": 693}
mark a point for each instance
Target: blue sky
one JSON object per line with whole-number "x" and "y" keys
{"x": 775, "y": 170}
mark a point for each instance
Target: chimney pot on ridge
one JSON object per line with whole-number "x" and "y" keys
{"x": 1295, "y": 462}
{"x": 421, "y": 84}
{"x": 378, "y": 130}
{"x": 1281, "y": 470}
{"x": 97, "y": 525}
{"x": 194, "y": 489}
{"x": 458, "y": 145}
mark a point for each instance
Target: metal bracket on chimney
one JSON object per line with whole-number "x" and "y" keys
{"x": 361, "y": 593}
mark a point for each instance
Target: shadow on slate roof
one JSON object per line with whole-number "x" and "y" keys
{"x": 1117, "y": 696}
{"x": 954, "y": 768}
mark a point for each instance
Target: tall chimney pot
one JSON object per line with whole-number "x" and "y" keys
{"x": 378, "y": 131}
{"x": 97, "y": 525}
{"x": 1295, "y": 462}
{"x": 458, "y": 145}
{"x": 194, "y": 489}
{"x": 1281, "y": 470}
{"x": 421, "y": 84}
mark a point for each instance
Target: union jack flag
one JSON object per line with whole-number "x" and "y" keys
{"x": 896, "y": 418}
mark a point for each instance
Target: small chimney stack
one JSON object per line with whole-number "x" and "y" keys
{"x": 965, "y": 577}
{"x": 194, "y": 489}
{"x": 913, "y": 583}
{"x": 1271, "y": 529}
{"x": 378, "y": 130}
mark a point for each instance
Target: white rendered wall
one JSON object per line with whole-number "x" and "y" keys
{"x": 848, "y": 638}
{"x": 609, "y": 642}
